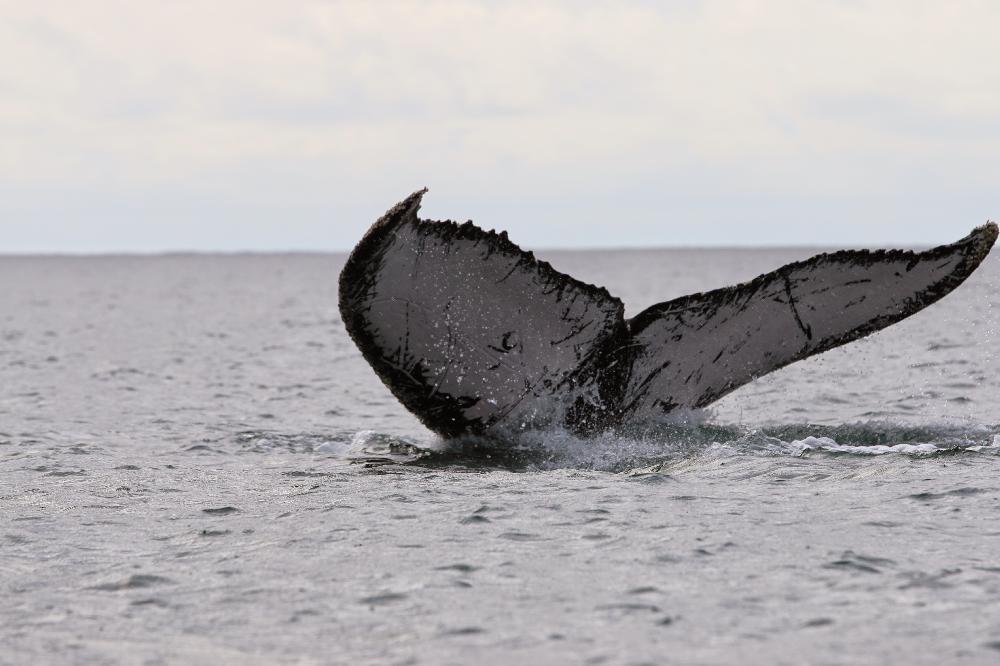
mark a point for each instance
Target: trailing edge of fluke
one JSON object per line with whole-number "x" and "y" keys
{"x": 476, "y": 336}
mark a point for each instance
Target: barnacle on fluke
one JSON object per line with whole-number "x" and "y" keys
{"x": 476, "y": 336}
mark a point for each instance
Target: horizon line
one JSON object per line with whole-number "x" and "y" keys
{"x": 96, "y": 254}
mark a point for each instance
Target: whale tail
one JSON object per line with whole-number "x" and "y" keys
{"x": 694, "y": 350}
{"x": 476, "y": 336}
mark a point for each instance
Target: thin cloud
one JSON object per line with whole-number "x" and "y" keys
{"x": 670, "y": 118}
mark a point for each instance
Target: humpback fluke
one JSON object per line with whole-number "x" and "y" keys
{"x": 476, "y": 336}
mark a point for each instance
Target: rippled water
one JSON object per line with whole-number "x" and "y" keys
{"x": 197, "y": 466}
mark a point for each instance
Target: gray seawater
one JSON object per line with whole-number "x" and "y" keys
{"x": 196, "y": 466}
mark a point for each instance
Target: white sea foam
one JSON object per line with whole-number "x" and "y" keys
{"x": 799, "y": 447}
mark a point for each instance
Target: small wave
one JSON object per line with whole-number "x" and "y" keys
{"x": 363, "y": 446}
{"x": 803, "y": 446}
{"x": 266, "y": 441}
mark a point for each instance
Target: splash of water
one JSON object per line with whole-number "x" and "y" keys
{"x": 653, "y": 444}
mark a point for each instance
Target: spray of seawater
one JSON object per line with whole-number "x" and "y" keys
{"x": 689, "y": 438}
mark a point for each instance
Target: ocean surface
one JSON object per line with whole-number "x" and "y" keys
{"x": 197, "y": 466}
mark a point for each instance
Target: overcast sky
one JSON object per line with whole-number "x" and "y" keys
{"x": 149, "y": 126}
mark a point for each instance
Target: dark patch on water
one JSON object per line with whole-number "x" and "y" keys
{"x": 521, "y": 536}
{"x": 137, "y": 581}
{"x": 652, "y": 478}
{"x": 851, "y": 561}
{"x": 628, "y": 609}
{"x": 464, "y": 631}
{"x": 222, "y": 511}
{"x": 152, "y": 601}
{"x": 474, "y": 520}
{"x": 461, "y": 568}
{"x": 383, "y": 599}
{"x": 959, "y": 492}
